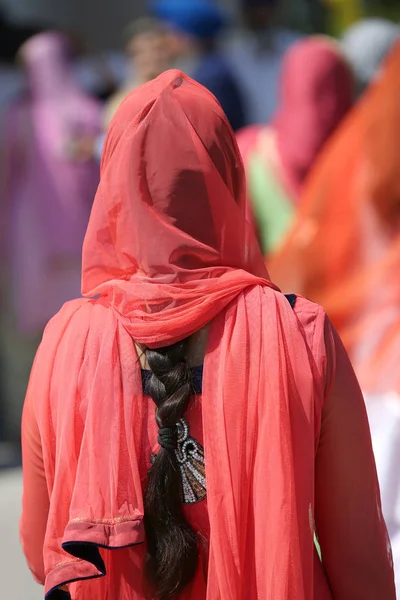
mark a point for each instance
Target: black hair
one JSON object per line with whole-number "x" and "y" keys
{"x": 172, "y": 544}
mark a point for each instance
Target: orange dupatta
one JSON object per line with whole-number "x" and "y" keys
{"x": 342, "y": 249}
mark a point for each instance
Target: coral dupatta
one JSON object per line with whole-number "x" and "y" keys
{"x": 162, "y": 271}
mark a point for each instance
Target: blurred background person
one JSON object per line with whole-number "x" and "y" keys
{"x": 12, "y": 36}
{"x": 349, "y": 211}
{"x": 344, "y": 251}
{"x": 196, "y": 26}
{"x": 46, "y": 202}
{"x": 366, "y": 45}
{"x": 11, "y": 85}
{"x": 147, "y": 51}
{"x": 316, "y": 91}
{"x": 255, "y": 51}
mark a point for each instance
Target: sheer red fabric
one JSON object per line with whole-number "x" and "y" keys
{"x": 162, "y": 264}
{"x": 169, "y": 250}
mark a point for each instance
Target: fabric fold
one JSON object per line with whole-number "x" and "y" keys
{"x": 162, "y": 270}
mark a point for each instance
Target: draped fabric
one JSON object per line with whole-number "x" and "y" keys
{"x": 171, "y": 280}
{"x": 343, "y": 250}
{"x": 169, "y": 250}
{"x": 48, "y": 194}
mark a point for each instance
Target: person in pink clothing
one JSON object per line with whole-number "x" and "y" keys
{"x": 50, "y": 193}
{"x": 46, "y": 200}
{"x": 189, "y": 431}
{"x": 316, "y": 92}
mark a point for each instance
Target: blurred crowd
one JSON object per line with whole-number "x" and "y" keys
{"x": 316, "y": 122}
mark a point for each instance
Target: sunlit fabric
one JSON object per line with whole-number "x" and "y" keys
{"x": 168, "y": 250}
{"x": 343, "y": 250}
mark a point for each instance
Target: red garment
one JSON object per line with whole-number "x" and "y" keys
{"x": 316, "y": 91}
{"x": 163, "y": 270}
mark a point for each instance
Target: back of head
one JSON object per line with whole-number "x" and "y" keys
{"x": 316, "y": 91}
{"x": 366, "y": 45}
{"x": 171, "y": 171}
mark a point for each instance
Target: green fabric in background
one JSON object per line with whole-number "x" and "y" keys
{"x": 272, "y": 208}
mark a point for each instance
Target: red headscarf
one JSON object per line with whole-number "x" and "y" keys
{"x": 165, "y": 214}
{"x": 316, "y": 91}
{"x": 168, "y": 249}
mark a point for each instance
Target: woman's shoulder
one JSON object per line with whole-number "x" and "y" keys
{"x": 306, "y": 309}
{"x": 75, "y": 317}
{"x": 310, "y": 317}
{"x": 70, "y": 311}
{"x": 74, "y": 336}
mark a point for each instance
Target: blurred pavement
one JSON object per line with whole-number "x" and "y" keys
{"x": 16, "y": 580}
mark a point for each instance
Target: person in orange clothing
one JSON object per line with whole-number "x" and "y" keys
{"x": 344, "y": 252}
{"x": 349, "y": 215}
{"x": 188, "y": 430}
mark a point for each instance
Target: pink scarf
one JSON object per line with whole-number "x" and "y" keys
{"x": 316, "y": 91}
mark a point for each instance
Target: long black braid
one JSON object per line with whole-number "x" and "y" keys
{"x": 173, "y": 546}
